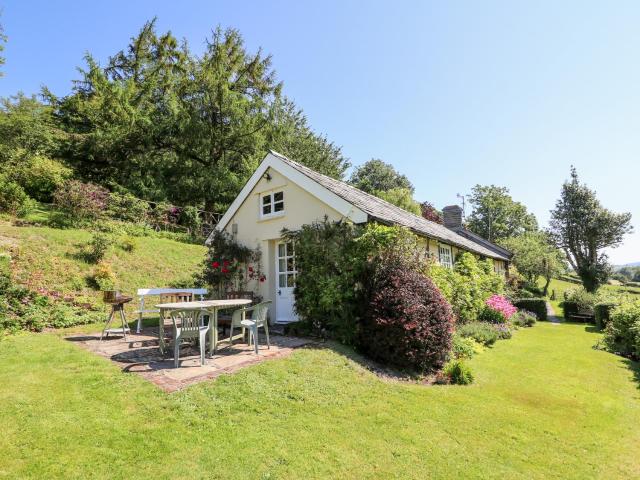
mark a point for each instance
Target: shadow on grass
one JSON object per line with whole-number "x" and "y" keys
{"x": 365, "y": 362}
{"x": 635, "y": 369}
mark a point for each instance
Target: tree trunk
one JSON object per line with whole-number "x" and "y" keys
{"x": 545, "y": 290}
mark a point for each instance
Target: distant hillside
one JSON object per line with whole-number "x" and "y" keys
{"x": 632, "y": 264}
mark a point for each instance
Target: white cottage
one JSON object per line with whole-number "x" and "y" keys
{"x": 282, "y": 194}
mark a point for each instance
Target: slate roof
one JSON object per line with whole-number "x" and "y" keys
{"x": 386, "y": 213}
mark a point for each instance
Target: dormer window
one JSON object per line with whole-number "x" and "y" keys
{"x": 272, "y": 204}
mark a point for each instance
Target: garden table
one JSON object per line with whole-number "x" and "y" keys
{"x": 209, "y": 306}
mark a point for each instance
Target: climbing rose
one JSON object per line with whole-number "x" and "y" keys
{"x": 502, "y": 305}
{"x": 215, "y": 264}
{"x": 225, "y": 270}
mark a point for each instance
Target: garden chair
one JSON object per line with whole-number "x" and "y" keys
{"x": 188, "y": 325}
{"x": 258, "y": 320}
{"x": 224, "y": 319}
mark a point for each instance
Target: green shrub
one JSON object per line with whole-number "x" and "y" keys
{"x": 622, "y": 333}
{"x": 39, "y": 176}
{"x": 468, "y": 285}
{"x": 602, "y": 312}
{"x": 458, "y": 373}
{"x": 569, "y": 309}
{"x": 490, "y": 315}
{"x": 584, "y": 300}
{"x": 538, "y": 306}
{"x": 13, "y": 199}
{"x": 190, "y": 218}
{"x": 104, "y": 277}
{"x": 128, "y": 243}
{"x": 523, "y": 318}
{"x": 503, "y": 332}
{"x": 464, "y": 347}
{"x": 127, "y": 208}
{"x": 98, "y": 246}
{"x": 481, "y": 332}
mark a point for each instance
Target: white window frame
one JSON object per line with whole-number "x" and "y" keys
{"x": 445, "y": 255}
{"x": 272, "y": 204}
{"x": 499, "y": 267}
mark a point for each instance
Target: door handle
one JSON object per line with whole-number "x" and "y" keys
{"x": 279, "y": 292}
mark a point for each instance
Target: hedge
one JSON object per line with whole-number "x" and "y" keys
{"x": 602, "y": 313}
{"x": 570, "y": 308}
{"x": 533, "y": 305}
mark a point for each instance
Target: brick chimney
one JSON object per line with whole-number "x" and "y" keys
{"x": 452, "y": 216}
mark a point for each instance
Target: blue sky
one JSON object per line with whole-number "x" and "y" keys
{"x": 451, "y": 93}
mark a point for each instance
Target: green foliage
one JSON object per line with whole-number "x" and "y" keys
{"x": 127, "y": 208}
{"x": 583, "y": 228}
{"x": 104, "y": 277}
{"x": 190, "y": 218}
{"x": 602, "y": 312}
{"x": 496, "y": 216}
{"x": 400, "y": 197}
{"x": 482, "y": 332}
{"x": 523, "y": 318}
{"x": 22, "y": 309}
{"x": 230, "y": 265}
{"x": 98, "y": 246}
{"x": 128, "y": 243}
{"x": 465, "y": 347}
{"x": 334, "y": 262}
{"x": 622, "y": 333}
{"x": 378, "y": 176}
{"x": 490, "y": 315}
{"x": 458, "y": 373}
{"x": 38, "y": 175}
{"x": 13, "y": 198}
{"x": 535, "y": 256}
{"x": 537, "y": 306}
{"x": 468, "y": 285}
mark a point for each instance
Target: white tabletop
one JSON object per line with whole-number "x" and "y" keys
{"x": 204, "y": 304}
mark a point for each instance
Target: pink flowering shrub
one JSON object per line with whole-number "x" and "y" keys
{"x": 497, "y": 304}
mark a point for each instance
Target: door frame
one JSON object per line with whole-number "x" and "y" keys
{"x": 287, "y": 275}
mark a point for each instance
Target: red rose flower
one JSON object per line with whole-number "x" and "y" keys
{"x": 262, "y": 278}
{"x": 251, "y": 269}
{"x": 224, "y": 270}
{"x": 215, "y": 264}
{"x": 225, "y": 263}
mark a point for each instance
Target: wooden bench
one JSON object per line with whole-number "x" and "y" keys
{"x": 585, "y": 316}
{"x": 148, "y": 292}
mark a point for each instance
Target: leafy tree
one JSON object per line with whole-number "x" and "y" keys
{"x": 400, "y": 197}
{"x": 582, "y": 228}
{"x": 430, "y": 212}
{"x": 534, "y": 255}
{"x": 497, "y": 216}
{"x": 291, "y": 135}
{"x": 378, "y": 176}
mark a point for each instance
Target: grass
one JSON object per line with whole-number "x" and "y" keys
{"x": 545, "y": 405}
{"x": 50, "y": 258}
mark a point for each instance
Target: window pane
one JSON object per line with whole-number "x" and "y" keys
{"x": 291, "y": 280}
{"x": 266, "y": 210}
{"x": 281, "y": 252}
{"x": 278, "y": 207}
{"x": 281, "y": 265}
{"x": 278, "y": 196}
{"x": 266, "y": 199}
{"x": 290, "y": 265}
{"x": 289, "y": 248}
{"x": 282, "y": 282}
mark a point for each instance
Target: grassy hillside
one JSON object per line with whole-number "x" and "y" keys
{"x": 52, "y": 259}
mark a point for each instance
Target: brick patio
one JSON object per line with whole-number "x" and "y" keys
{"x": 140, "y": 354}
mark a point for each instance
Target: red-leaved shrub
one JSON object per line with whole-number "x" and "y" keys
{"x": 408, "y": 323}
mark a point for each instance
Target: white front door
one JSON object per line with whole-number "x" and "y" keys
{"x": 286, "y": 273}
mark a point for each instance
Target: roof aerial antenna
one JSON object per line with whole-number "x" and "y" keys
{"x": 464, "y": 205}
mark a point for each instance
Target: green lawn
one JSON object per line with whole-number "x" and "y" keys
{"x": 545, "y": 405}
